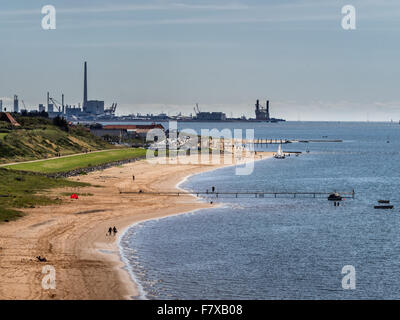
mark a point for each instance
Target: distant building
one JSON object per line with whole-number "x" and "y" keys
{"x": 211, "y": 116}
{"x": 122, "y": 131}
{"x": 262, "y": 113}
{"x": 42, "y": 108}
{"x": 73, "y": 111}
{"x": 94, "y": 107}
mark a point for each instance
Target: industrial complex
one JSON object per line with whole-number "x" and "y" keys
{"x": 95, "y": 111}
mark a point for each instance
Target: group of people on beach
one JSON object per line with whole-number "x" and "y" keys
{"x": 111, "y": 231}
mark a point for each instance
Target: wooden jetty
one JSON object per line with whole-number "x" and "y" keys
{"x": 286, "y": 141}
{"x": 241, "y": 194}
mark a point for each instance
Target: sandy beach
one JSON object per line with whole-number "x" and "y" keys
{"x": 73, "y": 236}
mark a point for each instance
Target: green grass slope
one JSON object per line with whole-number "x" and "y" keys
{"x": 79, "y": 161}
{"x": 38, "y": 138}
{"x": 20, "y": 190}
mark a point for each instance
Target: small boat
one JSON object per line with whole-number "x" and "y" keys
{"x": 384, "y": 201}
{"x": 383, "y": 207}
{"x": 279, "y": 154}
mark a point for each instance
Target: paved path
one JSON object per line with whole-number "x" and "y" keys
{"x": 40, "y": 160}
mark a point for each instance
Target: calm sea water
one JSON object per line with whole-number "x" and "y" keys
{"x": 283, "y": 248}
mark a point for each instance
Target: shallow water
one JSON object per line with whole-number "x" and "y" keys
{"x": 284, "y": 248}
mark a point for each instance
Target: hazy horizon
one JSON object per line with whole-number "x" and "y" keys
{"x": 166, "y": 56}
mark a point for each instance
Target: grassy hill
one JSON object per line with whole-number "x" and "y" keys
{"x": 38, "y": 138}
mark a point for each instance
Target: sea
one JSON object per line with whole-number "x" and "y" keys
{"x": 285, "y": 247}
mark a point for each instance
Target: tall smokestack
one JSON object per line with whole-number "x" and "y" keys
{"x": 267, "y": 107}
{"x": 62, "y": 103}
{"x": 16, "y": 107}
{"x": 85, "y": 87}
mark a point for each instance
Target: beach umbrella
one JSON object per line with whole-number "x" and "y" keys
{"x": 74, "y": 196}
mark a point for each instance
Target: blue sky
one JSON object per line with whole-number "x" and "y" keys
{"x": 154, "y": 56}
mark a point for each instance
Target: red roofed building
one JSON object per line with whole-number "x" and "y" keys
{"x": 134, "y": 127}
{"x": 122, "y": 131}
{"x": 7, "y": 117}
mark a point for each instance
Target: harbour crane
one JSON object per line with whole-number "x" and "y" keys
{"x": 196, "y": 109}
{"x": 111, "y": 111}
{"x": 56, "y": 104}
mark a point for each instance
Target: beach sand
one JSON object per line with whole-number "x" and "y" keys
{"x": 73, "y": 236}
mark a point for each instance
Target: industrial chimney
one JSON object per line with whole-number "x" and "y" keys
{"x": 267, "y": 109}
{"x": 16, "y": 107}
{"x": 85, "y": 87}
{"x": 62, "y": 104}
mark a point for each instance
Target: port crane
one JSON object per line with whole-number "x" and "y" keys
{"x": 56, "y": 104}
{"x": 196, "y": 109}
{"x": 111, "y": 111}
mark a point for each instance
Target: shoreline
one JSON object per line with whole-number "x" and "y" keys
{"x": 141, "y": 294}
{"x": 89, "y": 264}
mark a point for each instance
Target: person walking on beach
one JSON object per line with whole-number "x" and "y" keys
{"x": 110, "y": 231}
{"x": 115, "y": 230}
{"x": 133, "y": 178}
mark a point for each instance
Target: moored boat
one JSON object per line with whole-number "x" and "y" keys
{"x": 279, "y": 154}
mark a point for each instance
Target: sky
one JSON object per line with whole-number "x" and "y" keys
{"x": 167, "y": 55}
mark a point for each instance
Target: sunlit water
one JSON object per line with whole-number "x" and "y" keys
{"x": 283, "y": 248}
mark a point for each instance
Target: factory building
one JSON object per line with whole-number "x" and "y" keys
{"x": 92, "y": 107}
{"x": 262, "y": 113}
{"x": 210, "y": 116}
{"x": 73, "y": 111}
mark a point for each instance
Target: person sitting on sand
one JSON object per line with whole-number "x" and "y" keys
{"x": 115, "y": 230}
